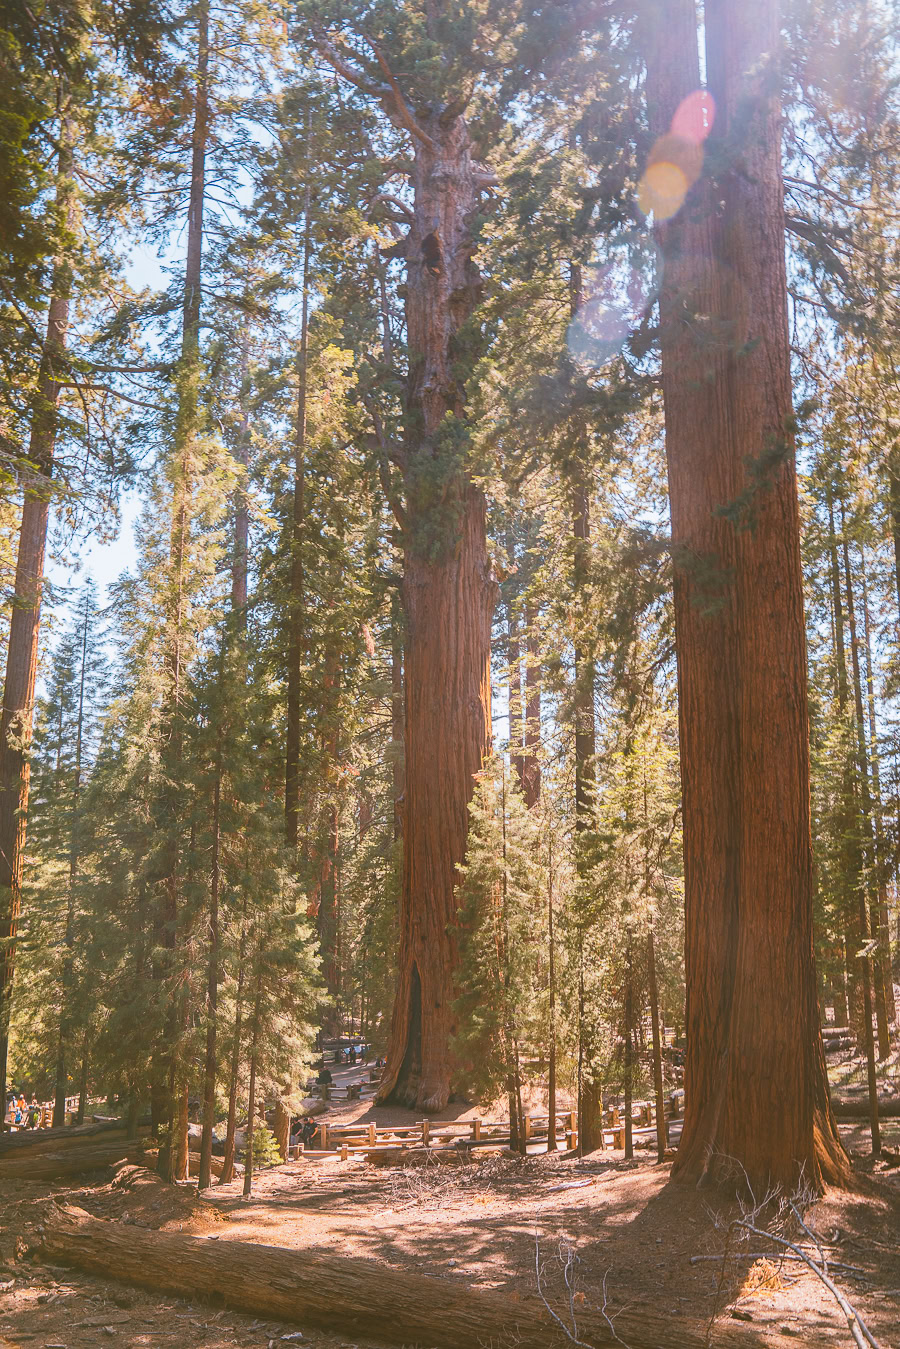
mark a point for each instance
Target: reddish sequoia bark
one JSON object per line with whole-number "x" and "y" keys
{"x": 21, "y": 658}
{"x": 448, "y": 590}
{"x": 755, "y": 1083}
{"x": 449, "y": 597}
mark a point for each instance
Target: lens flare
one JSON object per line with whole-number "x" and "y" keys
{"x": 676, "y": 160}
{"x": 662, "y": 190}
{"x": 616, "y": 298}
{"x": 694, "y": 117}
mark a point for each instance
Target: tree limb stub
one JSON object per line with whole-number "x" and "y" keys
{"x": 358, "y": 1296}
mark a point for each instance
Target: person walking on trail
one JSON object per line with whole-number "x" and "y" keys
{"x": 34, "y": 1113}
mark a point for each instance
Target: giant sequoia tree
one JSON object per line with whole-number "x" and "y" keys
{"x": 755, "y": 1081}
{"x": 448, "y": 591}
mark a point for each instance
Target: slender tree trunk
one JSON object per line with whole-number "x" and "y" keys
{"x": 514, "y": 687}
{"x": 629, "y": 1054}
{"x": 62, "y": 1076}
{"x": 449, "y": 597}
{"x": 397, "y": 773}
{"x": 590, "y": 1102}
{"x": 251, "y": 1123}
{"x": 83, "y": 1076}
{"x": 531, "y": 761}
{"x": 297, "y": 608}
{"x": 212, "y": 984}
{"x": 551, "y": 979}
{"x": 850, "y": 847}
{"x": 879, "y": 916}
{"x": 172, "y": 1154}
{"x": 755, "y": 1084}
{"x": 874, "y": 967}
{"x": 228, "y": 1160}
{"x": 662, "y": 1131}
{"x": 241, "y": 505}
{"x": 22, "y": 648}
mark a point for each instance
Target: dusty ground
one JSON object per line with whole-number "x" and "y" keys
{"x": 477, "y": 1224}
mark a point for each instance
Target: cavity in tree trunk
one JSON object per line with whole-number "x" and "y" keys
{"x": 21, "y": 655}
{"x": 755, "y": 1084}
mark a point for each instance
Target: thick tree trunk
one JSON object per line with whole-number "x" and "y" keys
{"x": 69, "y": 1161}
{"x": 22, "y": 648}
{"x": 34, "y": 1141}
{"x": 449, "y": 597}
{"x": 359, "y": 1297}
{"x": 282, "y": 1128}
{"x": 755, "y": 1086}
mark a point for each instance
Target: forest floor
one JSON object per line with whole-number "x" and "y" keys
{"x": 635, "y": 1236}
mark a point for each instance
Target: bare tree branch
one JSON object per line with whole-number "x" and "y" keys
{"x": 327, "y": 49}
{"x": 404, "y": 111}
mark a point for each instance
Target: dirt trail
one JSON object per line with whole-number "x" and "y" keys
{"x": 633, "y": 1234}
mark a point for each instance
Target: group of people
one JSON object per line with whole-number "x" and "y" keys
{"x": 23, "y": 1114}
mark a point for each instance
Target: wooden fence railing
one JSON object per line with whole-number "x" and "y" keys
{"x": 363, "y": 1136}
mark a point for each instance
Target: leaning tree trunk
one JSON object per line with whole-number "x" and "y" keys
{"x": 449, "y": 598}
{"x": 755, "y": 1084}
{"x": 22, "y": 649}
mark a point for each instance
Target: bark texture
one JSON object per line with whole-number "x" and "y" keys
{"x": 21, "y": 658}
{"x": 360, "y": 1296}
{"x": 449, "y": 597}
{"x": 755, "y": 1085}
{"x": 70, "y": 1161}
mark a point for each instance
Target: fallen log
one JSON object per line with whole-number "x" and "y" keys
{"x": 70, "y": 1161}
{"x": 35, "y": 1141}
{"x": 401, "y": 1156}
{"x": 360, "y": 1297}
{"x": 888, "y": 1108}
